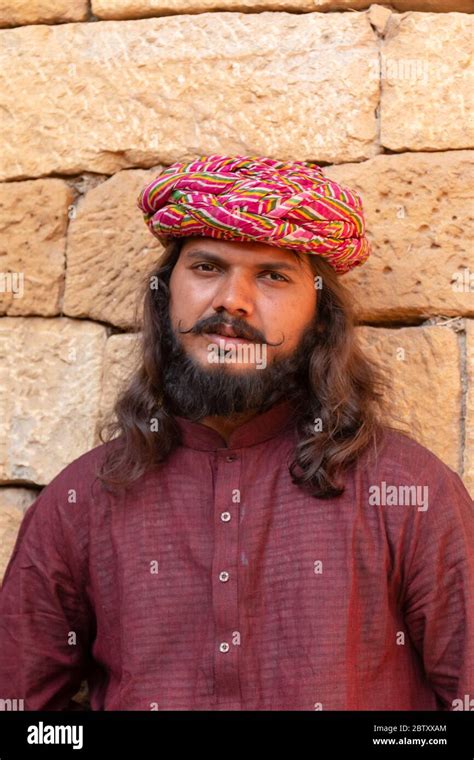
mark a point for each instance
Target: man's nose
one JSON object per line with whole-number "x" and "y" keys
{"x": 234, "y": 294}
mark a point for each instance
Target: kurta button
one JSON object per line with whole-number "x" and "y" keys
{"x": 230, "y": 458}
{"x": 224, "y": 647}
{"x": 224, "y": 576}
{"x": 225, "y": 516}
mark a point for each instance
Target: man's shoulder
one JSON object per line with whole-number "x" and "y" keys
{"x": 86, "y": 466}
{"x": 404, "y": 459}
{"x": 400, "y": 448}
{"x": 78, "y": 482}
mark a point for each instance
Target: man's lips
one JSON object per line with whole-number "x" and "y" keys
{"x": 225, "y": 332}
{"x": 226, "y": 339}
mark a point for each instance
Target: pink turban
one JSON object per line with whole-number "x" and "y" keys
{"x": 290, "y": 205}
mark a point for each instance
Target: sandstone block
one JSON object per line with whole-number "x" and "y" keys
{"x": 427, "y": 82}
{"x": 120, "y": 361}
{"x": 17, "y": 12}
{"x": 33, "y": 225}
{"x": 50, "y": 384}
{"x": 424, "y": 365}
{"x": 420, "y": 220}
{"x": 109, "y": 251}
{"x": 129, "y": 9}
{"x": 110, "y": 95}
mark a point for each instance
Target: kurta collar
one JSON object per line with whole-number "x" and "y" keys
{"x": 262, "y": 427}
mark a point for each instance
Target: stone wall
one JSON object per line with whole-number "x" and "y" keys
{"x": 95, "y": 98}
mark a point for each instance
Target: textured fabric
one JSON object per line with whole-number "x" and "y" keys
{"x": 217, "y": 583}
{"x": 258, "y": 199}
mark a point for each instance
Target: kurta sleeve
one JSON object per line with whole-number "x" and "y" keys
{"x": 439, "y": 589}
{"x": 45, "y": 620}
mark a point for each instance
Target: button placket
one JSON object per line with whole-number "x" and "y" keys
{"x": 224, "y": 578}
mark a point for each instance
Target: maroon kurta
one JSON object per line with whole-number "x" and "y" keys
{"x": 217, "y": 583}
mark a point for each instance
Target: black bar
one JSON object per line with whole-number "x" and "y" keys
{"x": 142, "y": 735}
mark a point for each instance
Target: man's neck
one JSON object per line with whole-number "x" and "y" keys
{"x": 225, "y": 426}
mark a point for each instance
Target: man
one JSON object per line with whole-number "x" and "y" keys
{"x": 252, "y": 535}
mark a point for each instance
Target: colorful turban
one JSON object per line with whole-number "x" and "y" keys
{"x": 290, "y": 205}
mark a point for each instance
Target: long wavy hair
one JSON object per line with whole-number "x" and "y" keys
{"x": 344, "y": 389}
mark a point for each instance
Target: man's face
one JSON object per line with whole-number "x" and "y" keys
{"x": 256, "y": 289}
{"x": 259, "y": 291}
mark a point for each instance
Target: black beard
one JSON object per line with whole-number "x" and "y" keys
{"x": 194, "y": 392}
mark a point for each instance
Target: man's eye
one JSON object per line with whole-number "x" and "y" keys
{"x": 282, "y": 279}
{"x": 204, "y": 264}
{"x": 213, "y": 266}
